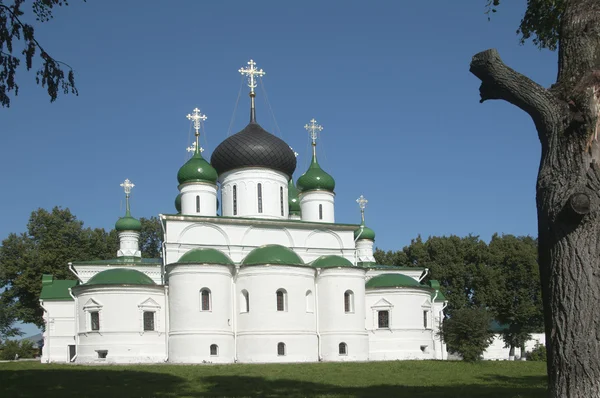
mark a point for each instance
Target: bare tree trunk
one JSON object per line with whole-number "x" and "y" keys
{"x": 566, "y": 117}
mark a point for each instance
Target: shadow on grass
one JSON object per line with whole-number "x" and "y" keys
{"x": 106, "y": 383}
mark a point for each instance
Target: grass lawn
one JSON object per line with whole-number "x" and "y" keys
{"x": 371, "y": 379}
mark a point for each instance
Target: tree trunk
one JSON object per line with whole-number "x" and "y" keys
{"x": 566, "y": 117}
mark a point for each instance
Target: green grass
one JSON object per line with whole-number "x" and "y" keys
{"x": 371, "y": 379}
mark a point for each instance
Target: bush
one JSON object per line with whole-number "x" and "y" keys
{"x": 467, "y": 333}
{"x": 538, "y": 353}
{"x": 11, "y": 348}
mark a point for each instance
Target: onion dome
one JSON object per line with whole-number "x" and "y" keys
{"x": 315, "y": 178}
{"x": 392, "y": 280}
{"x": 128, "y": 223}
{"x": 197, "y": 169}
{"x": 254, "y": 147}
{"x": 274, "y": 255}
{"x": 120, "y": 276}
{"x": 364, "y": 232}
{"x": 205, "y": 256}
{"x": 178, "y": 203}
{"x": 331, "y": 261}
{"x": 293, "y": 200}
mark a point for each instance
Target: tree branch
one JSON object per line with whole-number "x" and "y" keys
{"x": 499, "y": 81}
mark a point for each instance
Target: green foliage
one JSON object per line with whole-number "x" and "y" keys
{"x": 11, "y": 348}
{"x": 540, "y": 23}
{"x": 7, "y": 320}
{"x": 14, "y": 29}
{"x": 538, "y": 353}
{"x": 468, "y": 333}
{"x": 151, "y": 237}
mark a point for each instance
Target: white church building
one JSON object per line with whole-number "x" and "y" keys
{"x": 268, "y": 277}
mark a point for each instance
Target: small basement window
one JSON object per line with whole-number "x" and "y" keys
{"x": 102, "y": 354}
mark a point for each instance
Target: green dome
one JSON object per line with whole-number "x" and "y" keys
{"x": 205, "y": 256}
{"x": 392, "y": 280}
{"x": 197, "y": 169}
{"x": 178, "y": 203}
{"x": 120, "y": 276}
{"x": 364, "y": 232}
{"x": 293, "y": 198}
{"x": 331, "y": 262}
{"x": 315, "y": 178}
{"x": 128, "y": 223}
{"x": 272, "y": 254}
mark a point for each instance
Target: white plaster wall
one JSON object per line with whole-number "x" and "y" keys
{"x": 128, "y": 244}
{"x": 193, "y": 331}
{"x": 364, "y": 250}
{"x": 208, "y": 199}
{"x": 263, "y": 327}
{"x": 310, "y": 202}
{"x": 86, "y": 272}
{"x": 406, "y": 333}
{"x": 498, "y": 352}
{"x": 60, "y": 330}
{"x": 246, "y": 180}
{"x": 121, "y": 324}
{"x": 239, "y": 238}
{"x": 337, "y": 326}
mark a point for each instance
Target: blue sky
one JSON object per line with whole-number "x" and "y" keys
{"x": 388, "y": 80}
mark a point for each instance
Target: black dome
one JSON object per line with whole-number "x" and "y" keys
{"x": 254, "y": 147}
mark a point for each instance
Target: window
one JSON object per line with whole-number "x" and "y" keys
{"x": 281, "y": 300}
{"x": 204, "y": 299}
{"x": 148, "y": 321}
{"x": 343, "y": 350}
{"x": 280, "y": 349}
{"x": 310, "y": 302}
{"x": 244, "y": 301}
{"x": 95, "y": 320}
{"x": 348, "y": 301}
{"x": 198, "y": 204}
{"x": 281, "y": 199}
{"x": 320, "y": 212}
{"x": 425, "y": 319}
{"x": 259, "y": 190}
{"x": 214, "y": 350}
{"x": 383, "y": 319}
{"x": 102, "y": 354}
{"x": 235, "y": 200}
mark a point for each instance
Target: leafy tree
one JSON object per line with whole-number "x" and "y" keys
{"x": 468, "y": 333}
{"x": 14, "y": 32}
{"x": 7, "y": 320}
{"x": 568, "y": 185}
{"x": 151, "y": 237}
{"x": 11, "y": 348}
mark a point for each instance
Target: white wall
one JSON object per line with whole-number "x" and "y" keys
{"x": 263, "y": 327}
{"x": 129, "y": 244}
{"x": 193, "y": 330}
{"x": 274, "y": 185}
{"x": 310, "y": 202}
{"x": 498, "y": 352}
{"x": 208, "y": 199}
{"x": 121, "y": 324}
{"x": 413, "y": 273}
{"x": 86, "y": 272}
{"x": 60, "y": 330}
{"x": 364, "y": 250}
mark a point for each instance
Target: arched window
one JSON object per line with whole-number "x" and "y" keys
{"x": 281, "y": 199}
{"x": 281, "y": 300}
{"x": 214, "y": 350}
{"x": 197, "y": 203}
{"x": 244, "y": 301}
{"x": 235, "y": 200}
{"x": 320, "y": 212}
{"x": 383, "y": 319}
{"x": 343, "y": 349}
{"x": 280, "y": 349}
{"x": 348, "y": 301}
{"x": 259, "y": 191}
{"x": 310, "y": 301}
{"x": 426, "y": 319}
{"x": 205, "y": 303}
{"x": 95, "y": 320}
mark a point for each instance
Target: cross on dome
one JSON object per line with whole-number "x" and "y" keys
{"x": 313, "y": 129}
{"x": 251, "y": 71}
{"x": 362, "y": 203}
{"x": 127, "y": 185}
{"x": 196, "y": 117}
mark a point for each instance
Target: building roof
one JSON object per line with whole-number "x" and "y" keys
{"x": 205, "y": 256}
{"x": 125, "y": 260}
{"x": 56, "y": 289}
{"x": 197, "y": 169}
{"x": 315, "y": 178}
{"x": 120, "y": 276}
{"x": 364, "y": 232}
{"x": 331, "y": 262}
{"x": 254, "y": 147}
{"x": 272, "y": 254}
{"x": 392, "y": 280}
{"x": 293, "y": 198}
{"x": 178, "y": 203}
{"x": 128, "y": 223}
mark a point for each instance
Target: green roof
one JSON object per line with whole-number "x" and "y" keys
{"x": 128, "y": 223}
{"x": 315, "y": 178}
{"x": 272, "y": 254}
{"x": 120, "y": 276}
{"x": 392, "y": 280}
{"x": 372, "y": 265}
{"x": 205, "y": 256}
{"x": 331, "y": 262}
{"x": 197, "y": 169}
{"x": 137, "y": 261}
{"x": 178, "y": 203}
{"x": 56, "y": 289}
{"x": 364, "y": 232}
{"x": 293, "y": 198}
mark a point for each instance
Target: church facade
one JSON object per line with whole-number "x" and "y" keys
{"x": 254, "y": 268}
